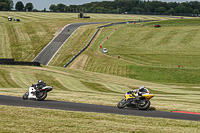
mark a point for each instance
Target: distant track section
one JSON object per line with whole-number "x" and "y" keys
{"x": 46, "y": 55}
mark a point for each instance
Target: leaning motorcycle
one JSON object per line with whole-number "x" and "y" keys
{"x": 130, "y": 101}
{"x": 31, "y": 94}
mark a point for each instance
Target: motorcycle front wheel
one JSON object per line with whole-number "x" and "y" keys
{"x": 122, "y": 103}
{"x": 41, "y": 96}
{"x": 143, "y": 104}
{"x": 25, "y": 96}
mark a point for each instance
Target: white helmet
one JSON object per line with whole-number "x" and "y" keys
{"x": 141, "y": 87}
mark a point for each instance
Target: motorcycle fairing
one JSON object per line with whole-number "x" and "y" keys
{"x": 142, "y": 96}
{"x": 32, "y": 92}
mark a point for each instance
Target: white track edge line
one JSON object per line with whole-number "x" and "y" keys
{"x": 61, "y": 46}
{"x": 50, "y": 42}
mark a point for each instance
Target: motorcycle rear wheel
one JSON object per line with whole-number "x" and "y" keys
{"x": 122, "y": 104}
{"x": 144, "y": 104}
{"x": 41, "y": 96}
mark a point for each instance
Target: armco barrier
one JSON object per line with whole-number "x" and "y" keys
{"x": 96, "y": 34}
{"x": 82, "y": 49}
{"x": 6, "y": 60}
{"x": 12, "y": 62}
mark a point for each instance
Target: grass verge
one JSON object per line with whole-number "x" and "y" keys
{"x": 20, "y": 119}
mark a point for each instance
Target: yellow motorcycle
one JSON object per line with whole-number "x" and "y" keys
{"x": 131, "y": 100}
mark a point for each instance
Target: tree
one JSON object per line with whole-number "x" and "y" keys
{"x": 3, "y": 6}
{"x": 19, "y": 6}
{"x": 161, "y": 9}
{"x": 6, "y": 5}
{"x": 44, "y": 10}
{"x": 10, "y": 4}
{"x": 136, "y": 6}
{"x": 196, "y": 11}
{"x": 137, "y": 10}
{"x": 183, "y": 9}
{"x": 171, "y": 11}
{"x": 61, "y": 7}
{"x": 29, "y": 6}
{"x": 53, "y": 8}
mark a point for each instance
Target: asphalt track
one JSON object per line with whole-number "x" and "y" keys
{"x": 45, "y": 56}
{"x": 70, "y": 106}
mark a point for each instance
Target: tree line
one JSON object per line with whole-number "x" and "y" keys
{"x": 7, "y": 5}
{"x": 116, "y": 6}
{"x": 131, "y": 6}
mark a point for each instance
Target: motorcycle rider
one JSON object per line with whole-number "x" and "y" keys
{"x": 40, "y": 85}
{"x": 138, "y": 92}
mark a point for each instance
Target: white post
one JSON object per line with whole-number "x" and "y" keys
{"x": 126, "y": 17}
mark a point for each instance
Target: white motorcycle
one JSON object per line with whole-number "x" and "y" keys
{"x": 31, "y": 94}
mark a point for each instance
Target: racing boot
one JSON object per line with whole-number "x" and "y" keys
{"x": 137, "y": 98}
{"x": 37, "y": 91}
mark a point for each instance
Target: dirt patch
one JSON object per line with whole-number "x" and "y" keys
{"x": 51, "y": 70}
{"x": 79, "y": 63}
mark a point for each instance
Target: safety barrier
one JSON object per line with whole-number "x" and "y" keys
{"x": 4, "y": 61}
{"x": 82, "y": 49}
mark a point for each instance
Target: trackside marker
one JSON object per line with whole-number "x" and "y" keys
{"x": 185, "y": 112}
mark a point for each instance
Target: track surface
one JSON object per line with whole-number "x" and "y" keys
{"x": 61, "y": 105}
{"x": 45, "y": 56}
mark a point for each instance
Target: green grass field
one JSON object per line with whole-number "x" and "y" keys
{"x": 24, "y": 40}
{"x": 148, "y": 56}
{"x": 145, "y": 50}
{"x": 67, "y": 121}
{"x": 168, "y": 45}
{"x": 154, "y": 59}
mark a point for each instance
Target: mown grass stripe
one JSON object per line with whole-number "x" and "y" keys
{"x": 97, "y": 87}
{"x": 50, "y": 80}
{"x": 6, "y": 81}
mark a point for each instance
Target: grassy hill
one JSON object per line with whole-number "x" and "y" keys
{"x": 142, "y": 70}
{"x": 24, "y": 40}
{"x": 146, "y": 53}
{"x": 149, "y": 57}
